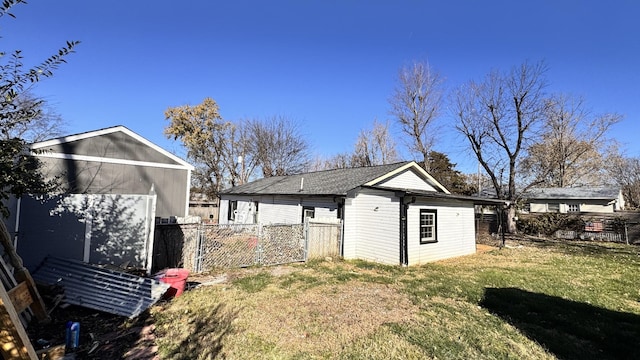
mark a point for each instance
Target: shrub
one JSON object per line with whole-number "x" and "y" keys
{"x": 549, "y": 223}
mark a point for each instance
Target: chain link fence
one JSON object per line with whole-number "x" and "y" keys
{"x": 210, "y": 246}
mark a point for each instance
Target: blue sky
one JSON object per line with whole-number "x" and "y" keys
{"x": 330, "y": 65}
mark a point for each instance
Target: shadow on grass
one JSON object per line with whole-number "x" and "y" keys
{"x": 207, "y": 331}
{"x": 568, "y": 329}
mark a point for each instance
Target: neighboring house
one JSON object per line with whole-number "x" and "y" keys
{"x": 574, "y": 200}
{"x": 392, "y": 214}
{"x": 201, "y": 206}
{"x": 113, "y": 184}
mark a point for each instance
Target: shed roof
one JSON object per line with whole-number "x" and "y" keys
{"x": 595, "y": 193}
{"x": 329, "y": 182}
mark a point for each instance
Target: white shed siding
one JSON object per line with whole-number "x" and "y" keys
{"x": 372, "y": 228}
{"x": 407, "y": 180}
{"x": 455, "y": 231}
{"x": 601, "y": 208}
{"x": 279, "y": 210}
{"x": 324, "y": 207}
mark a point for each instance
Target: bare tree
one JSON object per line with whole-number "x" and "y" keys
{"x": 374, "y": 146}
{"x": 571, "y": 146}
{"x": 239, "y": 158}
{"x": 416, "y": 103}
{"x": 278, "y": 146}
{"x": 43, "y": 122}
{"x": 497, "y": 116}
{"x": 625, "y": 172}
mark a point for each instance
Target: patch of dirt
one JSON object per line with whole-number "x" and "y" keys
{"x": 482, "y": 248}
{"x": 328, "y": 317}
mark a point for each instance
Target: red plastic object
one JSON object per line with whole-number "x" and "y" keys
{"x": 176, "y": 278}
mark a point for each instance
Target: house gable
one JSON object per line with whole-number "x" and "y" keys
{"x": 409, "y": 176}
{"x": 112, "y": 145}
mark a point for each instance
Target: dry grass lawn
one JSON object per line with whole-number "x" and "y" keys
{"x": 531, "y": 301}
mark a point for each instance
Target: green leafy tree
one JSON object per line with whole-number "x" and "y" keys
{"x": 443, "y": 170}
{"x": 19, "y": 171}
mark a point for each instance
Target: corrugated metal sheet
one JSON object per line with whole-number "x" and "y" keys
{"x": 99, "y": 288}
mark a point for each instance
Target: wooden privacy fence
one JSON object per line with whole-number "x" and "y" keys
{"x": 209, "y": 246}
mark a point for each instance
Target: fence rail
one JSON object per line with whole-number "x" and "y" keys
{"x": 209, "y": 246}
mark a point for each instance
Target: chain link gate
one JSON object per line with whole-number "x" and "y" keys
{"x": 211, "y": 246}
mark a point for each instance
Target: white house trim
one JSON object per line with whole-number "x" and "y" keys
{"x": 413, "y": 166}
{"x": 112, "y": 160}
{"x": 66, "y": 139}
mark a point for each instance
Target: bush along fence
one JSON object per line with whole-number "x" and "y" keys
{"x": 616, "y": 227}
{"x": 211, "y": 246}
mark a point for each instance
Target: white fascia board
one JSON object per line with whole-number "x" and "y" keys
{"x": 111, "y": 160}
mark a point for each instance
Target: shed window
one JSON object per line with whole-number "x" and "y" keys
{"x": 233, "y": 207}
{"x": 574, "y": 208}
{"x": 428, "y": 226}
{"x": 553, "y": 207}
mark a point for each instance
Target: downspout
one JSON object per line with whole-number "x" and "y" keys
{"x": 404, "y": 251}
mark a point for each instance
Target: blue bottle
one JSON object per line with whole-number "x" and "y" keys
{"x": 72, "y": 336}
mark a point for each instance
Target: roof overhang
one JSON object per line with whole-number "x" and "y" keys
{"x": 439, "y": 195}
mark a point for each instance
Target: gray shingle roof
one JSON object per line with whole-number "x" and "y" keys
{"x": 328, "y": 182}
{"x": 606, "y": 193}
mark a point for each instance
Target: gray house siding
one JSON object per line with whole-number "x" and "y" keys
{"x": 93, "y": 177}
{"x": 115, "y": 145}
{"x": 117, "y": 161}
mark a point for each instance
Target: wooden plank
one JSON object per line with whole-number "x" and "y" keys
{"x": 14, "y": 342}
{"x": 20, "y": 297}
{"x": 21, "y": 274}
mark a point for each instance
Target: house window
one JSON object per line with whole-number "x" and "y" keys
{"x": 553, "y": 207}
{"x": 428, "y": 226}
{"x": 233, "y": 207}
{"x": 573, "y": 208}
{"x": 308, "y": 212}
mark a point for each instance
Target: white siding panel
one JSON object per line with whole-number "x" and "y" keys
{"x": 223, "y": 210}
{"x": 372, "y": 228}
{"x": 602, "y": 208}
{"x": 455, "y": 231}
{"x": 325, "y": 207}
{"x": 280, "y": 210}
{"x": 407, "y": 180}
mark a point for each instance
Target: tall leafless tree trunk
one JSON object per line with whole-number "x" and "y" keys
{"x": 416, "y": 103}
{"x": 497, "y": 116}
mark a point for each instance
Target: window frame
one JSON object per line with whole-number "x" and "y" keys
{"x": 573, "y": 208}
{"x": 434, "y": 226}
{"x": 553, "y": 207}
{"x": 312, "y": 209}
{"x": 231, "y": 213}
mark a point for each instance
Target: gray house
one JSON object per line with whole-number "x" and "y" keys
{"x": 574, "y": 200}
{"x": 113, "y": 184}
{"x": 392, "y": 214}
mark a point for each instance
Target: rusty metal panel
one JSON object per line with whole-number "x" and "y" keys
{"x": 100, "y": 288}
